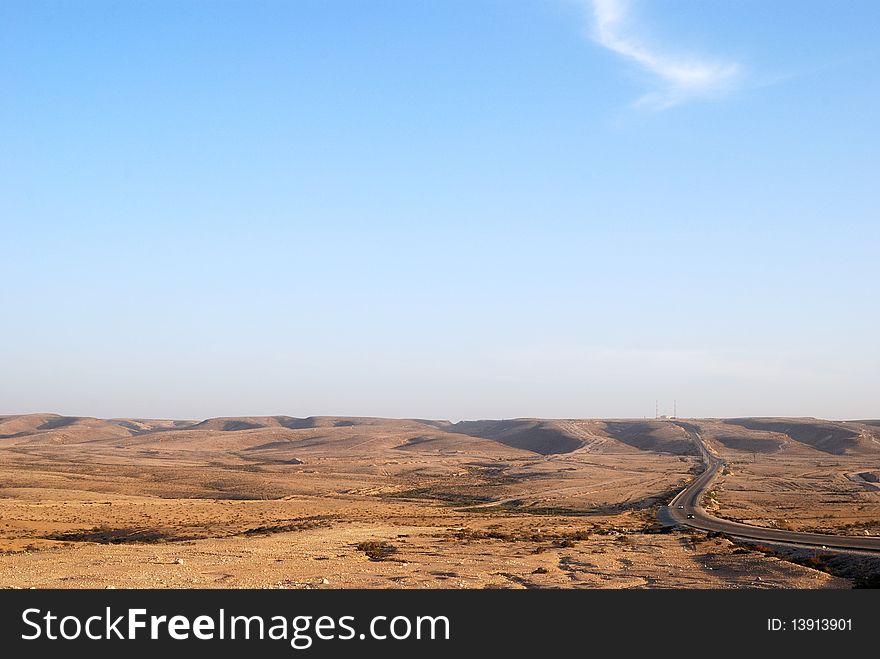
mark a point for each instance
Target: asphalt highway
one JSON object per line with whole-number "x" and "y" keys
{"x": 686, "y": 509}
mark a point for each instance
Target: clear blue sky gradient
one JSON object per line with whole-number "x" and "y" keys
{"x": 452, "y": 209}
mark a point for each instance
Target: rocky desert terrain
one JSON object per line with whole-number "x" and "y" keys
{"x": 332, "y": 502}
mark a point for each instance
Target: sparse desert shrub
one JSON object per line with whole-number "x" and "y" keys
{"x": 377, "y": 550}
{"x": 112, "y": 536}
{"x": 293, "y": 525}
{"x": 818, "y": 562}
{"x": 540, "y": 570}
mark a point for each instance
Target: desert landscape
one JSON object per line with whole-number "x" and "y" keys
{"x": 340, "y": 502}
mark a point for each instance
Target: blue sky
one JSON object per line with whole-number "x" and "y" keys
{"x": 457, "y": 209}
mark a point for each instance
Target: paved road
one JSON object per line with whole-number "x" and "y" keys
{"x": 687, "y": 502}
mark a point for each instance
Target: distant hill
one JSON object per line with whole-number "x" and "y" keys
{"x": 285, "y": 437}
{"x": 825, "y": 436}
{"x": 231, "y": 424}
{"x": 536, "y": 435}
{"x": 658, "y": 436}
{"x": 59, "y": 429}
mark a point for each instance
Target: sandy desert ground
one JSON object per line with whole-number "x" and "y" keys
{"x": 331, "y": 502}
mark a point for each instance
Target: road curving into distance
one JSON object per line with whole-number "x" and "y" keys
{"x": 687, "y": 503}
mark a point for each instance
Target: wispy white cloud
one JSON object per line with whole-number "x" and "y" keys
{"x": 679, "y": 77}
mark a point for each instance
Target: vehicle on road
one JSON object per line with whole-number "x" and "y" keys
{"x": 690, "y": 516}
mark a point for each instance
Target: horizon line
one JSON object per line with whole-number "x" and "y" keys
{"x": 662, "y": 417}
